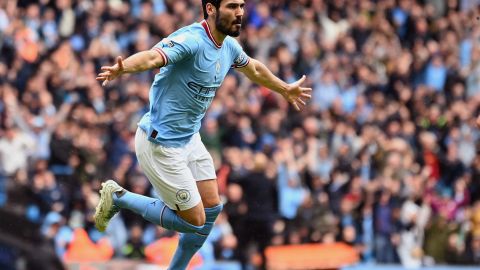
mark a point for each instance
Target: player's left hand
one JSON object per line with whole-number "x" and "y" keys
{"x": 111, "y": 72}
{"x": 296, "y": 94}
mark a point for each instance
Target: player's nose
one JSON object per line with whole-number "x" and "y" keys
{"x": 239, "y": 12}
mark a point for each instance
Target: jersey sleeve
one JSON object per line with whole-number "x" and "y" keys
{"x": 176, "y": 48}
{"x": 240, "y": 58}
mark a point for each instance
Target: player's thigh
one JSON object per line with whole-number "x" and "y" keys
{"x": 201, "y": 165}
{"x": 168, "y": 172}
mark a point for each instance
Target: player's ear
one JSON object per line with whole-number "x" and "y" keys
{"x": 211, "y": 9}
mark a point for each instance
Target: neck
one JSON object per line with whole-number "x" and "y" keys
{"x": 217, "y": 35}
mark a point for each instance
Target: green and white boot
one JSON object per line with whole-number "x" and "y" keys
{"x": 106, "y": 209}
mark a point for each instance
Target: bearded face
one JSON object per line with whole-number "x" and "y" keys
{"x": 229, "y": 19}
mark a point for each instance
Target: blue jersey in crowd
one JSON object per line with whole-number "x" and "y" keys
{"x": 185, "y": 87}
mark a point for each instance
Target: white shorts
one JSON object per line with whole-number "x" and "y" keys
{"x": 173, "y": 171}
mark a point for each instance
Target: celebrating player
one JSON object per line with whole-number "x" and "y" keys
{"x": 194, "y": 61}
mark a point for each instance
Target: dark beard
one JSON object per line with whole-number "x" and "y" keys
{"x": 222, "y": 26}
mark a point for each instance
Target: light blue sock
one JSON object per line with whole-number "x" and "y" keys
{"x": 155, "y": 211}
{"x": 191, "y": 242}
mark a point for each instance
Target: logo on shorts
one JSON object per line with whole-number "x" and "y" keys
{"x": 183, "y": 195}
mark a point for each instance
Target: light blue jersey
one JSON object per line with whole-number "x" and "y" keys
{"x": 185, "y": 87}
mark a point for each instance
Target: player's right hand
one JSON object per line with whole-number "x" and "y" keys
{"x": 111, "y": 72}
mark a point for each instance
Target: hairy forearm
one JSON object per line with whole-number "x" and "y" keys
{"x": 141, "y": 61}
{"x": 263, "y": 76}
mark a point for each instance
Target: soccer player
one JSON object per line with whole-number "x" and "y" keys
{"x": 194, "y": 61}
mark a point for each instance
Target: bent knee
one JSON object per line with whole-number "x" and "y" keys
{"x": 198, "y": 219}
{"x": 195, "y": 216}
{"x": 211, "y": 202}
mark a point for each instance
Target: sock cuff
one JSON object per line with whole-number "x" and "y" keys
{"x": 212, "y": 213}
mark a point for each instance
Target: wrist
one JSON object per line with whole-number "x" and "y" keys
{"x": 283, "y": 89}
{"x": 124, "y": 70}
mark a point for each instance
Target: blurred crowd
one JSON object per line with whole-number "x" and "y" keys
{"x": 384, "y": 157}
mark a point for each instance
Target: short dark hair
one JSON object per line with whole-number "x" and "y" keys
{"x": 215, "y": 3}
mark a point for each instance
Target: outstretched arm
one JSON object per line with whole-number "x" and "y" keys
{"x": 293, "y": 93}
{"x": 138, "y": 62}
